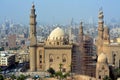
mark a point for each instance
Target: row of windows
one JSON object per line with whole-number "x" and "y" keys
{"x": 3, "y": 58}
{"x": 3, "y": 61}
{"x": 3, "y": 64}
{"x": 40, "y": 61}
{"x": 51, "y": 60}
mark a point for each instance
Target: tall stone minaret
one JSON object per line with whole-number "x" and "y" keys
{"x": 106, "y": 35}
{"x": 99, "y": 42}
{"x": 100, "y": 25}
{"x": 81, "y": 31}
{"x": 33, "y": 40}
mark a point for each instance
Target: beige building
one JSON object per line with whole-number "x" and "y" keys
{"x": 111, "y": 50}
{"x": 12, "y": 40}
{"x": 53, "y": 52}
{"x": 57, "y": 50}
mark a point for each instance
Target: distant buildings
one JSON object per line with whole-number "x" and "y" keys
{"x": 70, "y": 51}
{"x": 6, "y": 59}
{"x": 12, "y": 41}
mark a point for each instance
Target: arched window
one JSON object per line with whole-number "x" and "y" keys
{"x": 114, "y": 56}
{"x": 51, "y": 58}
{"x": 40, "y": 56}
{"x": 40, "y": 61}
{"x": 99, "y": 77}
{"x": 64, "y": 69}
{"x": 57, "y": 43}
{"x": 64, "y": 58}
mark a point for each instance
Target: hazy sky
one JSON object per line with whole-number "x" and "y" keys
{"x": 58, "y": 11}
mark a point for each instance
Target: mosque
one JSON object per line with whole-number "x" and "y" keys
{"x": 57, "y": 50}
{"x": 108, "y": 51}
{"x": 53, "y": 52}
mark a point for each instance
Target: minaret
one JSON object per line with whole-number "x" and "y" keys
{"x": 33, "y": 40}
{"x": 106, "y": 35}
{"x": 99, "y": 42}
{"x": 100, "y": 25}
{"x": 81, "y": 31}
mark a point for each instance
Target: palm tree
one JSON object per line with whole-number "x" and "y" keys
{"x": 60, "y": 67}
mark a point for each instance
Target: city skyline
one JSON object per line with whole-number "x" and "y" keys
{"x": 58, "y": 12}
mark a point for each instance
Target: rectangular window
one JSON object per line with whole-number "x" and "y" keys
{"x": 64, "y": 60}
{"x": 51, "y": 60}
{"x": 64, "y": 70}
{"x": 40, "y": 61}
{"x": 40, "y": 56}
{"x": 99, "y": 77}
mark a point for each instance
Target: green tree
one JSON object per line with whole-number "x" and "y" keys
{"x": 51, "y": 71}
{"x": 0, "y": 69}
{"x": 107, "y": 78}
{"x": 13, "y": 77}
{"x": 1, "y": 77}
{"x": 60, "y": 67}
{"x": 59, "y": 75}
{"x": 116, "y": 73}
{"x": 21, "y": 77}
{"x": 66, "y": 74}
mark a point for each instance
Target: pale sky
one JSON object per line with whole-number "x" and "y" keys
{"x": 58, "y": 11}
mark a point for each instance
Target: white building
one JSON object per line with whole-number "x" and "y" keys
{"x": 6, "y": 59}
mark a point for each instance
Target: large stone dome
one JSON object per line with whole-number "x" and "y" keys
{"x": 57, "y": 37}
{"x": 102, "y": 58}
{"x": 57, "y": 33}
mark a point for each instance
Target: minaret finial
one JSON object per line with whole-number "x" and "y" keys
{"x": 81, "y": 23}
{"x": 101, "y": 15}
{"x": 33, "y": 4}
{"x": 81, "y": 28}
